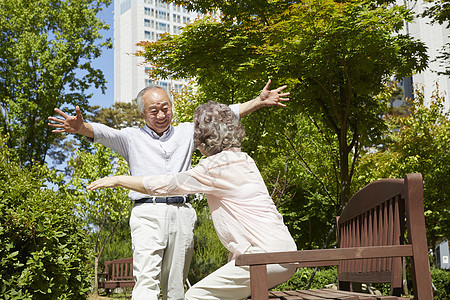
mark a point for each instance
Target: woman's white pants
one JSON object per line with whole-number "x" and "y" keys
{"x": 233, "y": 282}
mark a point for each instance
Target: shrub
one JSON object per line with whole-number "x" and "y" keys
{"x": 44, "y": 248}
{"x": 299, "y": 281}
{"x": 439, "y": 277}
{"x": 441, "y": 280}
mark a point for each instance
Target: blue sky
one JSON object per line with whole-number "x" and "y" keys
{"x": 105, "y": 63}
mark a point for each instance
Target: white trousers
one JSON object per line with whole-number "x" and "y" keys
{"x": 162, "y": 239}
{"x": 233, "y": 282}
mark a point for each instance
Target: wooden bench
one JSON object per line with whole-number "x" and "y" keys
{"x": 118, "y": 273}
{"x": 372, "y": 241}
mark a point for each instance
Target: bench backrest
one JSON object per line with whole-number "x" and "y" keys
{"x": 120, "y": 269}
{"x": 379, "y": 215}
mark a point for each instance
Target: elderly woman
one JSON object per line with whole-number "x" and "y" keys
{"x": 244, "y": 215}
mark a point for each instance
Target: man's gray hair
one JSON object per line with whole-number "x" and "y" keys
{"x": 216, "y": 128}
{"x": 140, "y": 101}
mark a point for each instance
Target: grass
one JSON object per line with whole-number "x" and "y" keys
{"x": 124, "y": 295}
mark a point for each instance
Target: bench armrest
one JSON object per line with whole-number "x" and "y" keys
{"x": 323, "y": 255}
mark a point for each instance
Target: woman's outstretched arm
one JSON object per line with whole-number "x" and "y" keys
{"x": 129, "y": 182}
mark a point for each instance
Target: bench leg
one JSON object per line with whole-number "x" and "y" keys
{"x": 259, "y": 284}
{"x": 345, "y": 285}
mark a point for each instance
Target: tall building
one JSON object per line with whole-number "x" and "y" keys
{"x": 434, "y": 36}
{"x": 135, "y": 21}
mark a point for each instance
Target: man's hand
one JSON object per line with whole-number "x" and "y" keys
{"x": 272, "y": 97}
{"x": 71, "y": 124}
{"x": 266, "y": 98}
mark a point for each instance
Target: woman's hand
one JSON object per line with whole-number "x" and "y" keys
{"x": 106, "y": 182}
{"x": 129, "y": 182}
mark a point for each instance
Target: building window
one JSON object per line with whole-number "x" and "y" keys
{"x": 147, "y": 71}
{"x": 164, "y": 85}
{"x": 149, "y": 11}
{"x": 149, "y": 35}
{"x": 176, "y": 18}
{"x": 186, "y": 20}
{"x": 176, "y": 29}
{"x": 161, "y": 4}
{"x": 161, "y": 26}
{"x": 178, "y": 87}
{"x": 163, "y": 15}
{"x": 148, "y": 2}
{"x": 148, "y": 82}
{"x": 147, "y": 23}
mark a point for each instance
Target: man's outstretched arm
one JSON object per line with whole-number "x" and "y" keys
{"x": 71, "y": 124}
{"x": 266, "y": 98}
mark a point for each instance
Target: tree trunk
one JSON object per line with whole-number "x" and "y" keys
{"x": 344, "y": 173}
{"x": 404, "y": 281}
{"x": 96, "y": 276}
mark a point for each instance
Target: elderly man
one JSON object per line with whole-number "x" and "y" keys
{"x": 161, "y": 227}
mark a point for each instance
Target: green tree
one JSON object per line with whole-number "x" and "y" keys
{"x": 119, "y": 116}
{"x": 336, "y": 57}
{"x": 119, "y": 245}
{"x": 439, "y": 10}
{"x": 302, "y": 175}
{"x": 107, "y": 213}
{"x": 417, "y": 142}
{"x": 104, "y": 209}
{"x": 45, "y": 252}
{"x": 45, "y": 53}
{"x": 346, "y": 53}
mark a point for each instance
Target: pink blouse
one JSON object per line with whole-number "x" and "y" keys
{"x": 242, "y": 210}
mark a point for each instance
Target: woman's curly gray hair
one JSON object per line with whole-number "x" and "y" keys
{"x": 216, "y": 128}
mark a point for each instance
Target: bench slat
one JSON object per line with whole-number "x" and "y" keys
{"x": 330, "y": 294}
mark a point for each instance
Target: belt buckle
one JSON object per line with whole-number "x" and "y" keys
{"x": 177, "y": 198}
